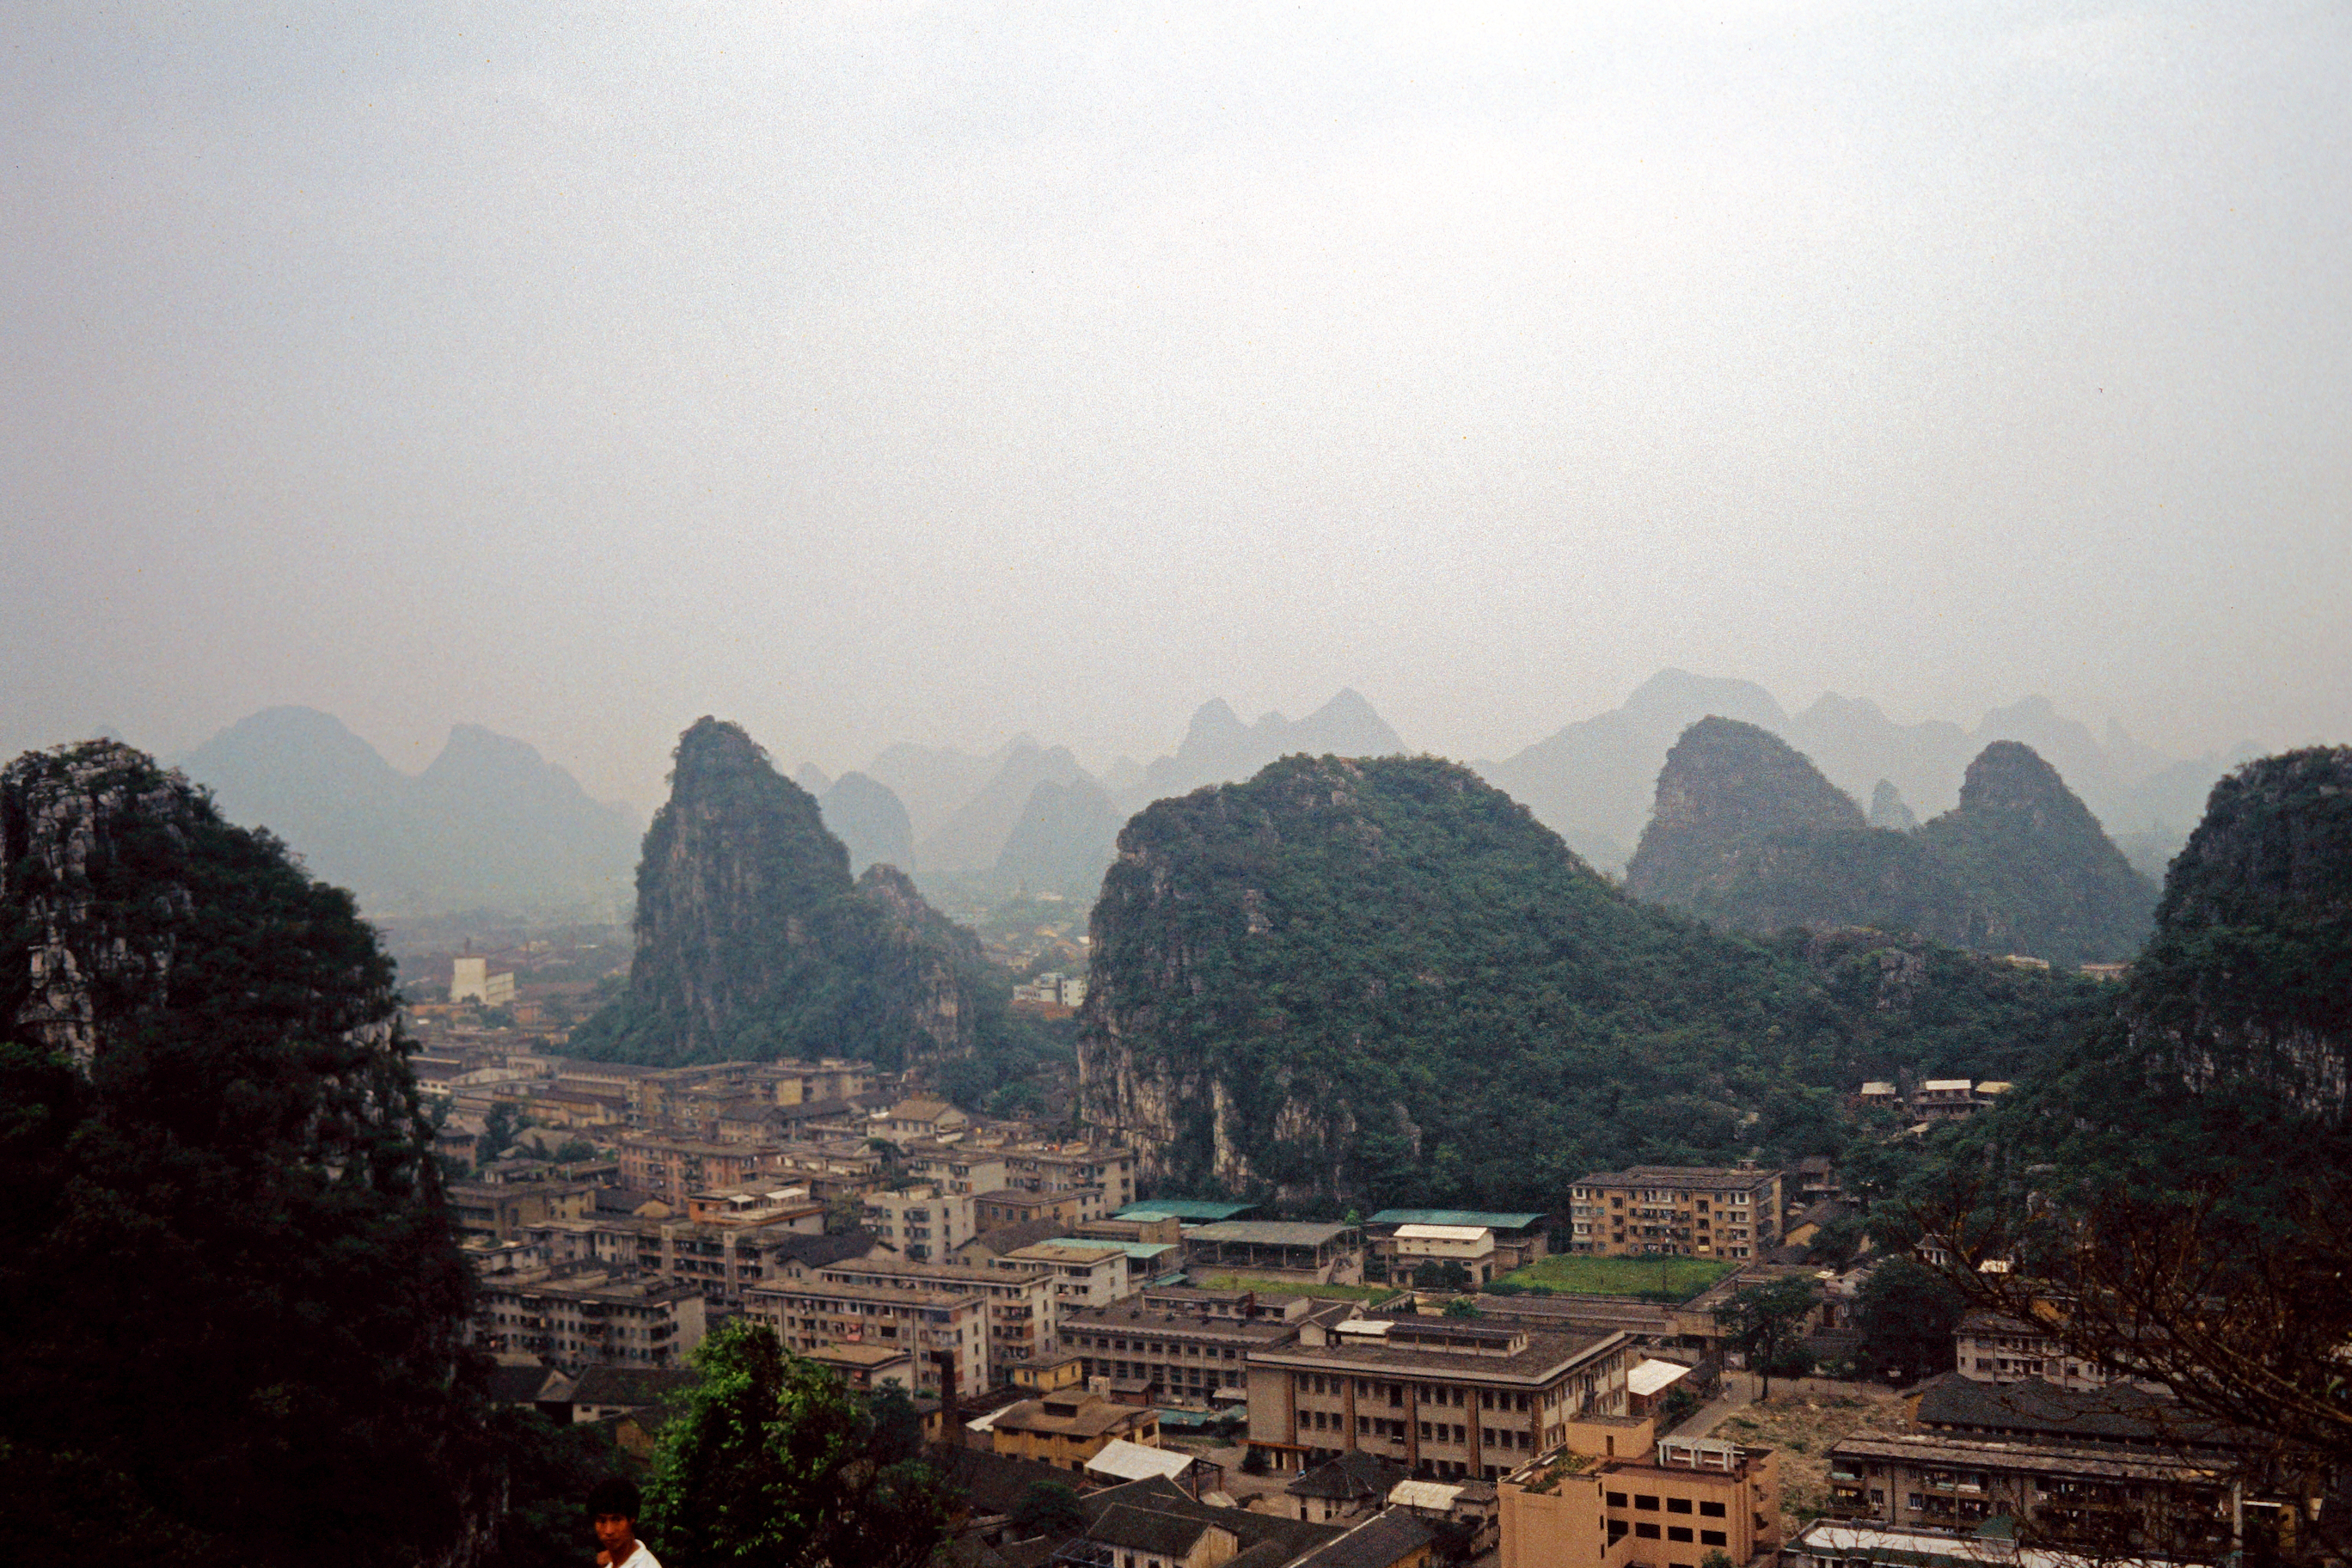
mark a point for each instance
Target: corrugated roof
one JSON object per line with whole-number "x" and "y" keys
{"x": 1198, "y": 1211}
{"x": 1455, "y": 1216}
{"x": 1271, "y": 1232}
{"x": 1442, "y": 1232}
{"x": 1435, "y": 1496}
{"x": 1651, "y": 1376}
{"x": 1125, "y": 1462}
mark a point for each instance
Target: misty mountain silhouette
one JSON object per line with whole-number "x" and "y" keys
{"x": 491, "y": 823}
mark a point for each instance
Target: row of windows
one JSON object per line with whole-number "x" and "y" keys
{"x": 1458, "y": 1398}
{"x": 1154, "y": 1347}
{"x": 1644, "y": 1530}
{"x": 1645, "y": 1503}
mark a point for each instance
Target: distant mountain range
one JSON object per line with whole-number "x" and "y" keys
{"x": 491, "y": 825}
{"x": 1592, "y": 782}
{"x": 1749, "y": 833}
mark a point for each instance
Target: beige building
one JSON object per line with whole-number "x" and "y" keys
{"x": 1067, "y": 1428}
{"x": 1688, "y": 1210}
{"x": 1023, "y": 1315}
{"x": 1178, "y": 1346}
{"x": 944, "y": 1332}
{"x": 1082, "y": 1276}
{"x": 921, "y": 1222}
{"x": 1666, "y": 1503}
{"x": 1470, "y": 1246}
{"x": 503, "y": 1211}
{"x": 577, "y": 1317}
{"x": 1445, "y": 1397}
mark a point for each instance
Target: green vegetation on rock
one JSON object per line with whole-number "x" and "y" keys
{"x": 1384, "y": 979}
{"x": 753, "y": 942}
{"x": 1747, "y": 834}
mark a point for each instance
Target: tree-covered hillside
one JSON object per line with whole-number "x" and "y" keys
{"x": 231, "y": 1297}
{"x": 753, "y": 941}
{"x": 1747, "y": 834}
{"x": 1384, "y": 979}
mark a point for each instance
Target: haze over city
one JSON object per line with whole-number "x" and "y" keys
{"x": 866, "y": 375}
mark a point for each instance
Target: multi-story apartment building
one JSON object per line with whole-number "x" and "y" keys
{"x": 671, "y": 1166}
{"x": 953, "y": 1168}
{"x": 1065, "y": 1167}
{"x": 1017, "y": 1206}
{"x": 1668, "y": 1503}
{"x": 945, "y": 1332}
{"x": 2100, "y": 1496}
{"x": 720, "y": 1261}
{"x": 1445, "y": 1397}
{"x": 1178, "y": 1346}
{"x": 922, "y": 1222}
{"x": 1082, "y": 1276}
{"x": 575, "y": 1317}
{"x": 1023, "y": 1316}
{"x": 1688, "y": 1210}
{"x": 490, "y": 1211}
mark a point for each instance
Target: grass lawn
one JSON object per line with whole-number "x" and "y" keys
{"x": 1685, "y": 1277}
{"x": 1286, "y": 1287}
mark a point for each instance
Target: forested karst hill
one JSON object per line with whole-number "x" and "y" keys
{"x": 752, "y": 940}
{"x": 234, "y": 1305}
{"x": 1747, "y": 833}
{"x": 1380, "y": 977}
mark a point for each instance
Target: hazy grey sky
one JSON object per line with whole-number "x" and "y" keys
{"x": 869, "y": 373}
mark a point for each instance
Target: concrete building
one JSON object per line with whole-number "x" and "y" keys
{"x": 1082, "y": 1276}
{"x": 921, "y": 1222}
{"x": 943, "y": 1332}
{"x": 489, "y": 1212}
{"x": 470, "y": 981}
{"x": 953, "y": 1168}
{"x": 1070, "y": 1206}
{"x": 1686, "y": 1211}
{"x": 674, "y": 1167}
{"x": 1317, "y": 1254}
{"x": 719, "y": 1261}
{"x": 1445, "y": 1397}
{"x": 1067, "y": 1428}
{"x": 1023, "y": 1316}
{"x": 865, "y": 1367}
{"x": 1166, "y": 1348}
{"x": 1069, "y": 1167}
{"x": 1468, "y": 1248}
{"x": 1520, "y": 1239}
{"x": 572, "y": 1318}
{"x": 1667, "y": 1503}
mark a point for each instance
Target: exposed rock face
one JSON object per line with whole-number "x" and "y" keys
{"x": 752, "y": 940}
{"x": 867, "y": 816}
{"x": 2249, "y": 972}
{"x": 112, "y": 870}
{"x": 1747, "y": 834}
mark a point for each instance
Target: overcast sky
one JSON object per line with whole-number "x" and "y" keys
{"x": 869, "y": 373}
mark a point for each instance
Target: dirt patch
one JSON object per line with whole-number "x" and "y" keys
{"x": 1802, "y": 1424}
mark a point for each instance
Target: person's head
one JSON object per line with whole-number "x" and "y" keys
{"x": 613, "y": 1510}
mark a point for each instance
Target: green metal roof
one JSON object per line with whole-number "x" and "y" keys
{"x": 1185, "y": 1211}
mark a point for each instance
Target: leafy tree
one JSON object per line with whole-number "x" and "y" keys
{"x": 1905, "y": 1313}
{"x": 1047, "y": 1508}
{"x": 1766, "y": 1322}
{"x": 1448, "y": 1275}
{"x": 548, "y": 1468}
{"x": 572, "y": 1151}
{"x": 1836, "y": 1243}
{"x": 500, "y": 1128}
{"x": 1460, "y": 1307}
{"x": 774, "y": 1464}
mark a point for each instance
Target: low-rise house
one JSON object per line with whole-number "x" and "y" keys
{"x": 1155, "y": 1524}
{"x": 1315, "y": 1253}
{"x": 1941, "y": 1099}
{"x": 865, "y": 1367}
{"x": 1066, "y": 1429}
{"x": 1470, "y": 1248}
{"x": 1347, "y": 1486}
{"x": 1520, "y": 1239}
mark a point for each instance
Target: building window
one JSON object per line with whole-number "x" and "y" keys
{"x": 1711, "y": 1509}
{"x": 1645, "y": 1503}
{"x": 1678, "y": 1505}
{"x": 1646, "y": 1530}
{"x": 1712, "y": 1537}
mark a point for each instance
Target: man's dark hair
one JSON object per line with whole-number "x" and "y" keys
{"x": 614, "y": 1495}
